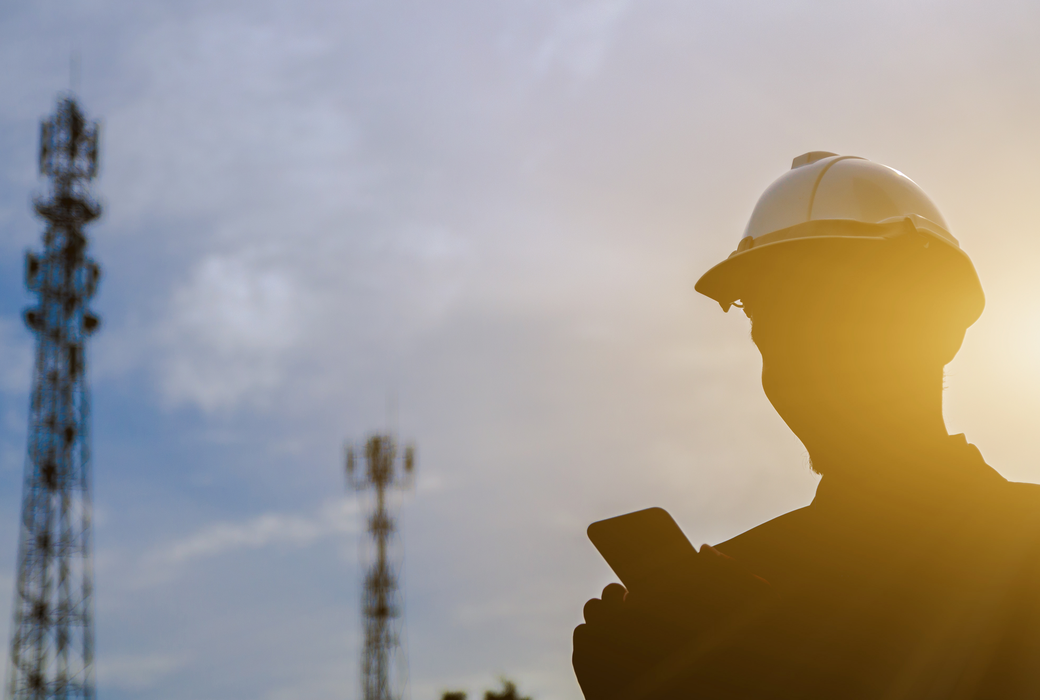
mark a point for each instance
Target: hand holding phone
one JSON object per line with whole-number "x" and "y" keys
{"x": 674, "y": 596}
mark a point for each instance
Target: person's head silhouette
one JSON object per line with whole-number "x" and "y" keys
{"x": 858, "y": 296}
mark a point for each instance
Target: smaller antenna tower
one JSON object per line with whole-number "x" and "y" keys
{"x": 384, "y": 471}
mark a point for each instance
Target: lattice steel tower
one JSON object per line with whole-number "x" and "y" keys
{"x": 380, "y": 661}
{"x": 52, "y": 641}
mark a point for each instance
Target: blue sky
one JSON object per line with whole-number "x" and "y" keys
{"x": 493, "y": 213}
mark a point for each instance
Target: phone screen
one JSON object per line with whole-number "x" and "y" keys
{"x": 643, "y": 547}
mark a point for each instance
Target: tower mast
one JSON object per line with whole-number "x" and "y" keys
{"x": 384, "y": 471}
{"x": 52, "y": 640}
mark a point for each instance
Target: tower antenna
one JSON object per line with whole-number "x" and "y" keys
{"x": 52, "y": 640}
{"x": 385, "y": 470}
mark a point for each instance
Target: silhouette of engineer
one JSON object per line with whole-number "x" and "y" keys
{"x": 915, "y": 571}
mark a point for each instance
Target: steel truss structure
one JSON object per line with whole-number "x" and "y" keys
{"x": 52, "y": 640}
{"x": 384, "y": 471}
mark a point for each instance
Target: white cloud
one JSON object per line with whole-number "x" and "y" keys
{"x": 271, "y": 529}
{"x": 227, "y": 331}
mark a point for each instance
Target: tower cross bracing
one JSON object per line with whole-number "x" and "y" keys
{"x": 52, "y": 637}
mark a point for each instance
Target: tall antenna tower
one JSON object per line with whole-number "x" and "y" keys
{"x": 384, "y": 471}
{"x": 52, "y": 642}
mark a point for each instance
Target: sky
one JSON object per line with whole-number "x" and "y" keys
{"x": 477, "y": 224}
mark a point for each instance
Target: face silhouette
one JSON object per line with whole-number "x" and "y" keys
{"x": 852, "y": 347}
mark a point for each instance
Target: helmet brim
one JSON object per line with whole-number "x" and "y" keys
{"x": 791, "y": 250}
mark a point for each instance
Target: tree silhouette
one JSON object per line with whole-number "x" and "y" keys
{"x": 508, "y": 692}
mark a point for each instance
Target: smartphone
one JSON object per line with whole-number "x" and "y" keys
{"x": 643, "y": 548}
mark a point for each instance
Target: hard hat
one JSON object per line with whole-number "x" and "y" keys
{"x": 847, "y": 202}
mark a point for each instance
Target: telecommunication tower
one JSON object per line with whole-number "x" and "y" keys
{"x": 52, "y": 641}
{"x": 384, "y": 471}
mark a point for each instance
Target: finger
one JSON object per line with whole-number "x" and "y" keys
{"x": 594, "y": 664}
{"x": 614, "y": 594}
{"x": 708, "y": 549}
{"x": 581, "y": 635}
{"x": 583, "y": 660}
{"x": 724, "y": 570}
{"x": 593, "y": 611}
